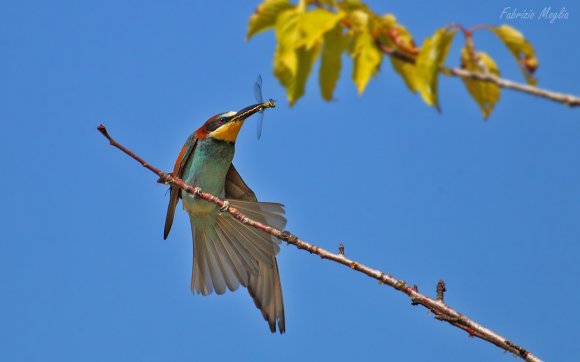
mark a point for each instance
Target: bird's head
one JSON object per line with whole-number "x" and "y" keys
{"x": 226, "y": 126}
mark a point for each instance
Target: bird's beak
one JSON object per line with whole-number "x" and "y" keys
{"x": 250, "y": 110}
{"x": 229, "y": 131}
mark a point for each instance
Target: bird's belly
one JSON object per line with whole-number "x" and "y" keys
{"x": 199, "y": 208}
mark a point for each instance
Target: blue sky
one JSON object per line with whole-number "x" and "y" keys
{"x": 491, "y": 207}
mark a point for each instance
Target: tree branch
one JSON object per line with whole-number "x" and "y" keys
{"x": 564, "y": 98}
{"x": 437, "y": 306}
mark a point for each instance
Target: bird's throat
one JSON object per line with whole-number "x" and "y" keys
{"x": 228, "y": 132}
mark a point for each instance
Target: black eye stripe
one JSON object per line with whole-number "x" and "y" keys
{"x": 216, "y": 123}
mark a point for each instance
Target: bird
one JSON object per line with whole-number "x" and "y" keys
{"x": 228, "y": 254}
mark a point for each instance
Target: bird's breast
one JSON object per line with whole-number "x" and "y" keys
{"x": 207, "y": 169}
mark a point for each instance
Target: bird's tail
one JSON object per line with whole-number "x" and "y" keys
{"x": 227, "y": 254}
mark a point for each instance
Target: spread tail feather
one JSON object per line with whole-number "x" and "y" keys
{"x": 227, "y": 254}
{"x": 266, "y": 290}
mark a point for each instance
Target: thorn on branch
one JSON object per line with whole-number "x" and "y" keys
{"x": 415, "y": 300}
{"x": 441, "y": 290}
{"x": 226, "y": 206}
{"x": 521, "y": 352}
{"x": 163, "y": 178}
{"x": 288, "y": 237}
{"x": 341, "y": 249}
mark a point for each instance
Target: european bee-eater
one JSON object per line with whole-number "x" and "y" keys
{"x": 227, "y": 253}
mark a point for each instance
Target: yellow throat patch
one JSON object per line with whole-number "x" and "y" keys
{"x": 228, "y": 132}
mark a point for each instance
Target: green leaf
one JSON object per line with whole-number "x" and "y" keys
{"x": 349, "y": 5}
{"x": 520, "y": 48}
{"x": 335, "y": 43}
{"x": 358, "y": 20}
{"x": 305, "y": 58}
{"x": 486, "y": 94}
{"x": 317, "y": 22}
{"x": 430, "y": 59}
{"x": 285, "y": 65}
{"x": 407, "y": 71}
{"x": 366, "y": 58}
{"x": 389, "y": 20}
{"x": 292, "y": 60}
{"x": 265, "y": 16}
{"x": 329, "y": 3}
{"x": 300, "y": 35}
{"x": 287, "y": 35}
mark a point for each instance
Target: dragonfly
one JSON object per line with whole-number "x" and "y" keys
{"x": 262, "y": 104}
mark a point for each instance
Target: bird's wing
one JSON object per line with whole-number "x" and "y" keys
{"x": 264, "y": 286}
{"x": 175, "y": 192}
{"x": 228, "y": 254}
{"x": 236, "y": 188}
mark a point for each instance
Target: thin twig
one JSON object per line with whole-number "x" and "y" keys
{"x": 441, "y": 310}
{"x": 441, "y": 290}
{"x": 564, "y": 98}
{"x": 568, "y": 99}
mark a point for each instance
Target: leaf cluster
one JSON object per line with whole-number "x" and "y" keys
{"x": 326, "y": 30}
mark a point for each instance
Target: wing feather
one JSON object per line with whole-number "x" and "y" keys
{"x": 175, "y": 192}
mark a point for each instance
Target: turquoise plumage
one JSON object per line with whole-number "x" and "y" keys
{"x": 227, "y": 253}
